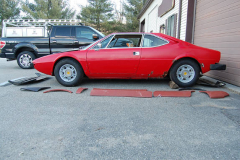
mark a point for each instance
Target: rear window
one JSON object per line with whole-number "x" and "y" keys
{"x": 63, "y": 32}
{"x": 152, "y": 41}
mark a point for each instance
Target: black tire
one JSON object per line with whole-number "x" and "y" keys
{"x": 68, "y": 72}
{"x": 24, "y": 59}
{"x": 185, "y": 73}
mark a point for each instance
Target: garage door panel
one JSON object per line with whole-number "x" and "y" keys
{"x": 216, "y": 45}
{"x": 217, "y": 27}
{"x": 220, "y": 15}
{"x": 227, "y": 77}
{"x": 230, "y": 63}
{"x": 225, "y": 39}
{"x": 206, "y": 3}
{"x": 218, "y": 21}
{"x": 221, "y": 7}
{"x": 223, "y": 33}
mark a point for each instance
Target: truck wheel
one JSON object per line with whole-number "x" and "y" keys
{"x": 24, "y": 59}
{"x": 68, "y": 72}
{"x": 185, "y": 73}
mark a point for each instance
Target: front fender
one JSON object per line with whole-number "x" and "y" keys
{"x": 46, "y": 64}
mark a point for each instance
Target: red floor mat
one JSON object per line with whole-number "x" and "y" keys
{"x": 172, "y": 93}
{"x": 80, "y": 90}
{"x": 122, "y": 93}
{"x": 58, "y": 90}
{"x": 216, "y": 94}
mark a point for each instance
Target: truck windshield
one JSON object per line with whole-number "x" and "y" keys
{"x": 98, "y": 32}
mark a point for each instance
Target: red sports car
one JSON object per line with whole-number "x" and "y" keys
{"x": 132, "y": 56}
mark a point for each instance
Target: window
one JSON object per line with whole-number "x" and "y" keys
{"x": 171, "y": 25}
{"x": 63, "y": 32}
{"x": 152, "y": 41}
{"x": 82, "y": 32}
{"x": 142, "y": 29}
{"x": 125, "y": 41}
{"x": 104, "y": 43}
{"x": 162, "y": 29}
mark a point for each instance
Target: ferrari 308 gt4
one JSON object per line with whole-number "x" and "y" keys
{"x": 132, "y": 56}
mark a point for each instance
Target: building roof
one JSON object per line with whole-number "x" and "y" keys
{"x": 145, "y": 7}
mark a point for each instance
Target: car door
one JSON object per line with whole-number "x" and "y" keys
{"x": 117, "y": 57}
{"x": 84, "y": 36}
{"x": 156, "y": 58}
{"x": 63, "y": 39}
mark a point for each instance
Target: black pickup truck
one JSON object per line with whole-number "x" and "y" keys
{"x": 60, "y": 39}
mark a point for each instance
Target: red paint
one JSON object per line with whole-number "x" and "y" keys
{"x": 2, "y": 44}
{"x": 216, "y": 94}
{"x": 172, "y": 93}
{"x": 120, "y": 63}
{"x": 58, "y": 90}
{"x": 80, "y": 90}
{"x": 122, "y": 89}
{"x": 121, "y": 93}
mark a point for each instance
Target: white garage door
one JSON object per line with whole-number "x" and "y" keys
{"x": 218, "y": 27}
{"x": 152, "y": 20}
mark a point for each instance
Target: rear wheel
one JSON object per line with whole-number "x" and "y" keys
{"x": 68, "y": 72}
{"x": 24, "y": 59}
{"x": 185, "y": 73}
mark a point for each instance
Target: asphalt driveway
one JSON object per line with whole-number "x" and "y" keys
{"x": 61, "y": 125}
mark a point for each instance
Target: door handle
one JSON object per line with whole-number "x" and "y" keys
{"x": 136, "y": 53}
{"x": 54, "y": 41}
{"x": 76, "y": 41}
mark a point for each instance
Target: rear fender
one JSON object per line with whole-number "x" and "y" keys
{"x": 188, "y": 56}
{"x": 24, "y": 46}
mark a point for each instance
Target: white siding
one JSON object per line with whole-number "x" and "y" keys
{"x": 184, "y": 20}
{"x": 152, "y": 20}
{"x": 175, "y": 10}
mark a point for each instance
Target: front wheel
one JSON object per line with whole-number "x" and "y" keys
{"x": 185, "y": 73}
{"x": 68, "y": 72}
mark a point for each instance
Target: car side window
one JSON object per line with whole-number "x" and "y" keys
{"x": 82, "y": 32}
{"x": 152, "y": 41}
{"x": 125, "y": 41}
{"x": 63, "y": 32}
{"x": 103, "y": 43}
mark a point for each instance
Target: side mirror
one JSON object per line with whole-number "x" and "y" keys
{"x": 99, "y": 45}
{"x": 95, "y": 37}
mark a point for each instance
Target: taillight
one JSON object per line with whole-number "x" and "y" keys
{"x": 2, "y": 44}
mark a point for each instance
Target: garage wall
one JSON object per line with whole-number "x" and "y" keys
{"x": 217, "y": 27}
{"x": 152, "y": 19}
{"x": 150, "y": 16}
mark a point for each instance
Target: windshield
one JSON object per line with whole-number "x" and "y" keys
{"x": 86, "y": 47}
{"x": 98, "y": 32}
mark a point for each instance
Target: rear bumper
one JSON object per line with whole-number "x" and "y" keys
{"x": 218, "y": 66}
{"x": 2, "y": 55}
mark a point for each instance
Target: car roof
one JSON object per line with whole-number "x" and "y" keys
{"x": 156, "y": 34}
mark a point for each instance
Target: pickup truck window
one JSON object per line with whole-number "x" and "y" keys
{"x": 84, "y": 33}
{"x": 63, "y": 32}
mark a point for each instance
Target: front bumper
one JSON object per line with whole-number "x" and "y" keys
{"x": 218, "y": 66}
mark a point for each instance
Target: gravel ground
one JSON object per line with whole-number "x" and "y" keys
{"x": 68, "y": 126}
